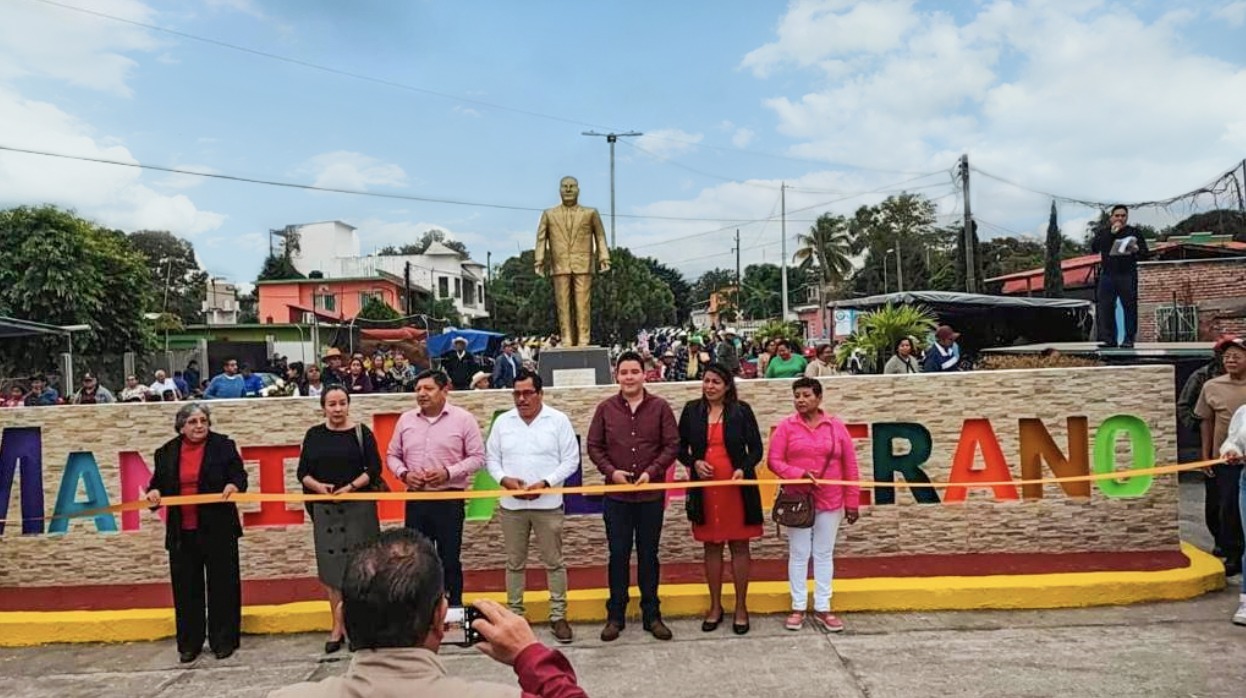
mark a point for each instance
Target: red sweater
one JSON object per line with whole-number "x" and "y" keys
{"x": 189, "y": 463}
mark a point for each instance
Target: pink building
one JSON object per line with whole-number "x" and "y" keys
{"x": 291, "y": 300}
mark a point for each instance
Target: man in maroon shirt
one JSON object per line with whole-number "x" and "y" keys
{"x": 633, "y": 439}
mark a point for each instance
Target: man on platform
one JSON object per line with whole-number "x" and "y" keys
{"x": 1120, "y": 246}
{"x": 531, "y": 448}
{"x": 633, "y": 439}
{"x": 460, "y": 365}
{"x": 437, "y": 447}
{"x": 569, "y": 237}
{"x": 506, "y": 366}
{"x": 1219, "y": 399}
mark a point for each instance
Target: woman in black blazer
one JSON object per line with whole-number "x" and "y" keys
{"x": 719, "y": 440}
{"x": 202, "y": 540}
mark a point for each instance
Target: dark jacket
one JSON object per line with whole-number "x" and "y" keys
{"x": 743, "y": 442}
{"x": 1112, "y": 261}
{"x": 504, "y": 369}
{"x": 222, "y": 465}
{"x": 460, "y": 370}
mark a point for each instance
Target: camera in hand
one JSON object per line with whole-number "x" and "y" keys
{"x": 458, "y": 628}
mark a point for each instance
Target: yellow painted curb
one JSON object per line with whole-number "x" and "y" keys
{"x": 1063, "y": 590}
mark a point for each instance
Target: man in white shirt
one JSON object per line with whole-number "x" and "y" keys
{"x": 531, "y": 448}
{"x": 164, "y": 383}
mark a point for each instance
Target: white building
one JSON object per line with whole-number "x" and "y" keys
{"x": 220, "y": 304}
{"x": 332, "y": 248}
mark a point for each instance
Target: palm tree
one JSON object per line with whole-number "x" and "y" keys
{"x": 826, "y": 247}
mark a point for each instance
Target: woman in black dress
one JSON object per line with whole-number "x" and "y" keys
{"x": 339, "y": 457}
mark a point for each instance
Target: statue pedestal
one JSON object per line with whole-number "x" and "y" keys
{"x": 561, "y": 367}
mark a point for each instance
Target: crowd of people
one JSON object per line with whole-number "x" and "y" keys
{"x": 633, "y": 439}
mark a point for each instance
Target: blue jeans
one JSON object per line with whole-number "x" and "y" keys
{"x": 1241, "y": 503}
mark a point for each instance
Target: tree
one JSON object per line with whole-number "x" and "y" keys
{"x": 278, "y": 268}
{"x": 421, "y": 246}
{"x": 445, "y": 309}
{"x": 249, "y": 308}
{"x": 761, "y": 291}
{"x": 60, "y": 269}
{"x": 710, "y": 282}
{"x": 1217, "y": 222}
{"x": 523, "y": 303}
{"x": 1053, "y": 272}
{"x": 376, "y": 309}
{"x": 903, "y": 222}
{"x": 825, "y": 252}
{"x": 178, "y": 283}
{"x": 629, "y": 298}
{"x": 679, "y": 287}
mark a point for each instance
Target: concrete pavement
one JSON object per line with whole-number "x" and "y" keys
{"x": 1173, "y": 649}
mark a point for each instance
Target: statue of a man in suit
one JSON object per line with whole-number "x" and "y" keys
{"x": 569, "y": 239}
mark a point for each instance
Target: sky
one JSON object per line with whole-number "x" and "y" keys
{"x": 425, "y": 102}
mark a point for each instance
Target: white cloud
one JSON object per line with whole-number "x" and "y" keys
{"x": 466, "y": 111}
{"x": 1081, "y": 98}
{"x": 344, "y": 169}
{"x": 246, "y": 7}
{"x": 668, "y": 142}
{"x": 44, "y": 41}
{"x": 742, "y": 137}
{"x": 111, "y": 194}
{"x": 1234, "y": 13}
{"x": 814, "y": 32}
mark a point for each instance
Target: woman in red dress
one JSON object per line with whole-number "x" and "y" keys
{"x": 719, "y": 440}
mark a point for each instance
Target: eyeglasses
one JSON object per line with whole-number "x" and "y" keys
{"x": 518, "y": 394}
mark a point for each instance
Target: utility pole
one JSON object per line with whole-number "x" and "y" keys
{"x": 971, "y": 281}
{"x": 612, "y": 138}
{"x": 406, "y": 289}
{"x": 488, "y": 299}
{"x": 736, "y": 295}
{"x": 899, "y": 269}
{"x": 783, "y": 242}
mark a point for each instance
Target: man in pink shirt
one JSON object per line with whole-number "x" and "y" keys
{"x": 436, "y": 448}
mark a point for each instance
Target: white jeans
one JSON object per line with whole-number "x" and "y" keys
{"x": 820, "y": 542}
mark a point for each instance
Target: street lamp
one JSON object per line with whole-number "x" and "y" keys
{"x": 886, "y": 258}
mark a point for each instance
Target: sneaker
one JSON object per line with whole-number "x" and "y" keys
{"x": 1239, "y": 618}
{"x": 796, "y": 621}
{"x": 827, "y": 622}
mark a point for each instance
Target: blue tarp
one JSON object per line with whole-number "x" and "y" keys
{"x": 478, "y": 341}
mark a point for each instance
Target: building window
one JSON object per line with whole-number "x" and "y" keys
{"x": 1176, "y": 323}
{"x": 480, "y": 293}
{"x": 458, "y": 288}
{"x": 326, "y": 301}
{"x": 469, "y": 294}
{"x": 365, "y": 295}
{"x": 443, "y": 287}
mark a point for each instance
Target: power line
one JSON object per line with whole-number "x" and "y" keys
{"x": 331, "y": 190}
{"x": 1216, "y": 187}
{"x": 444, "y": 95}
{"x": 316, "y": 66}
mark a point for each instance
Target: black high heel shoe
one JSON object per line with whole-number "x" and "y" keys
{"x": 332, "y": 646}
{"x": 739, "y": 628}
{"x": 709, "y": 626}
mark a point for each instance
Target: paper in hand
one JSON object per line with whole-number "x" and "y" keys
{"x": 1125, "y": 246}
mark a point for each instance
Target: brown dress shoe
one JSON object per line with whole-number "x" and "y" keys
{"x": 610, "y": 633}
{"x": 562, "y": 630}
{"x": 659, "y": 630}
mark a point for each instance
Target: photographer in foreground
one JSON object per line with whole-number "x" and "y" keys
{"x": 395, "y": 608}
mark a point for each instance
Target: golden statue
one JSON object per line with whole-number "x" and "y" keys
{"x": 571, "y": 237}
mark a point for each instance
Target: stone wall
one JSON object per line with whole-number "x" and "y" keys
{"x": 941, "y": 403}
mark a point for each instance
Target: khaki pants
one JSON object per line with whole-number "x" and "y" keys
{"x": 547, "y": 525}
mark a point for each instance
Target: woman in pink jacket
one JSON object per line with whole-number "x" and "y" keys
{"x": 814, "y": 444}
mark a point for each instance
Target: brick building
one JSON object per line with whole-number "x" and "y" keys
{"x": 1191, "y": 299}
